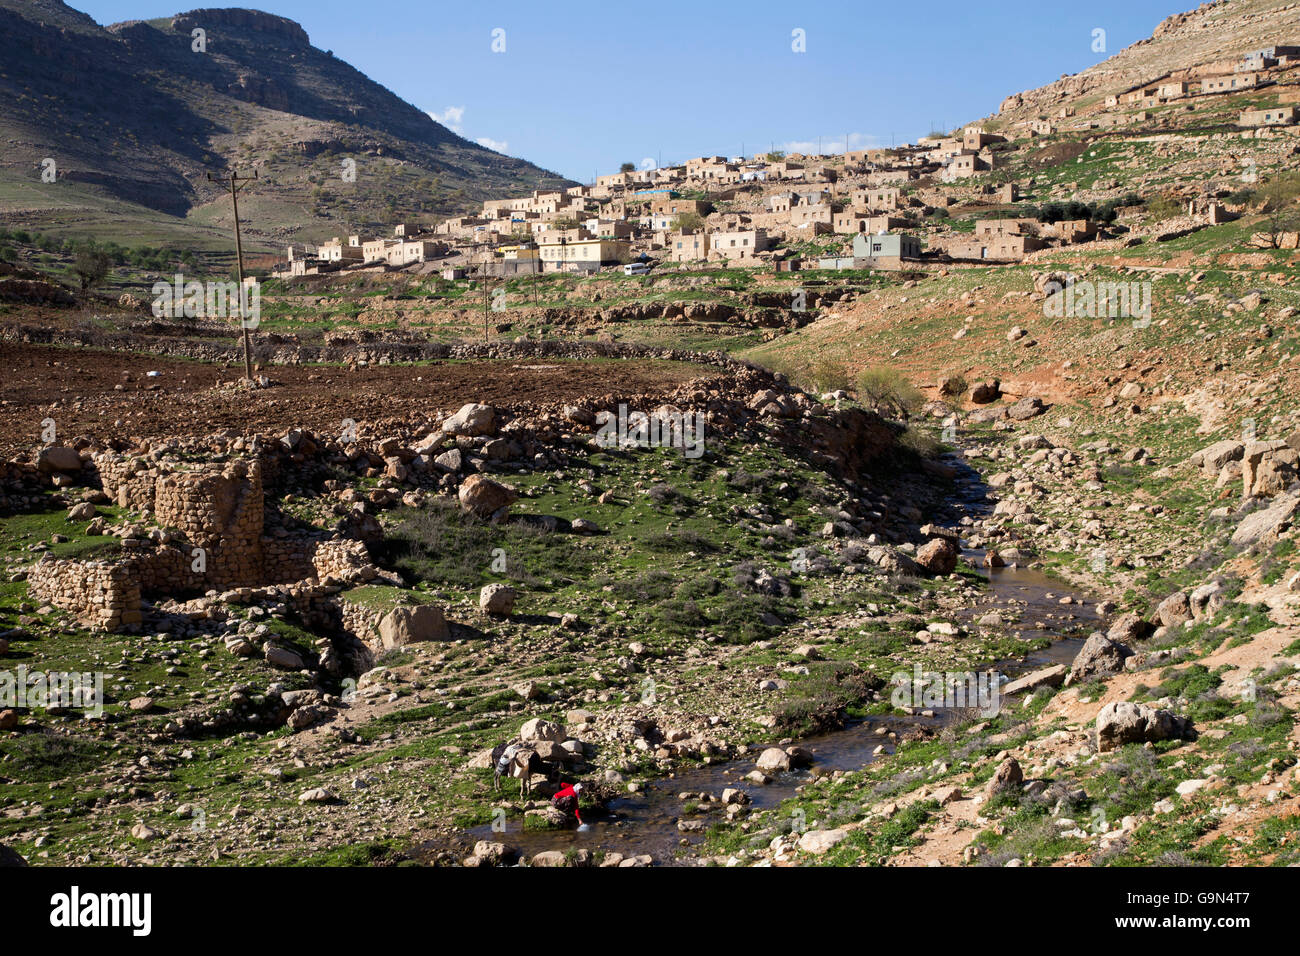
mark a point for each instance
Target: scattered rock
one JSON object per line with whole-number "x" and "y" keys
{"x": 1125, "y": 722}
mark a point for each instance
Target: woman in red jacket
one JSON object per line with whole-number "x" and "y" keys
{"x": 566, "y": 799}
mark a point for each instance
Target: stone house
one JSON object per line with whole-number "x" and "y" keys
{"x": 336, "y": 250}
{"x": 1226, "y": 84}
{"x": 1004, "y": 247}
{"x": 885, "y": 250}
{"x": 671, "y": 206}
{"x": 688, "y": 246}
{"x": 1073, "y": 230}
{"x": 877, "y": 198}
{"x": 738, "y": 244}
{"x": 995, "y": 228}
{"x": 1273, "y": 116}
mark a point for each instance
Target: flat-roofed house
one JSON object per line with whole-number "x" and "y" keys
{"x": 688, "y": 246}
{"x": 336, "y": 250}
{"x": 1272, "y": 116}
{"x": 1226, "y": 84}
{"x": 1008, "y": 248}
{"x": 888, "y": 250}
{"x": 990, "y": 228}
{"x": 581, "y": 255}
{"x": 877, "y": 198}
{"x": 375, "y": 250}
{"x": 738, "y": 244}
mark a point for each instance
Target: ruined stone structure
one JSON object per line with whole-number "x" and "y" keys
{"x": 101, "y": 594}
{"x": 211, "y": 538}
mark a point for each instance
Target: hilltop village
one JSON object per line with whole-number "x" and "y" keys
{"x": 885, "y": 208}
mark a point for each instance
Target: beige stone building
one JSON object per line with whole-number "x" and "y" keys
{"x": 1226, "y": 84}
{"x": 739, "y": 244}
{"x": 688, "y": 246}
{"x": 1273, "y": 116}
{"x": 581, "y": 255}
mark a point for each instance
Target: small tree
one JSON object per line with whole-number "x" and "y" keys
{"x": 627, "y": 168}
{"x": 90, "y": 268}
{"x": 1281, "y": 212}
{"x": 688, "y": 220}
{"x": 826, "y": 375}
{"x": 887, "y": 392}
{"x": 776, "y": 156}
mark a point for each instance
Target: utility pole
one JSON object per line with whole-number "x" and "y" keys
{"x": 234, "y": 184}
{"x": 485, "y": 290}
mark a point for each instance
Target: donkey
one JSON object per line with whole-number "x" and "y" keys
{"x": 515, "y": 760}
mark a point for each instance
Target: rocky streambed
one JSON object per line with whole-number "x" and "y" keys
{"x": 662, "y": 821}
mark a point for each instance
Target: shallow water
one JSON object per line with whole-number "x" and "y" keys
{"x": 646, "y": 822}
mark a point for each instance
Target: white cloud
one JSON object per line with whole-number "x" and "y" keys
{"x": 648, "y": 163}
{"x": 832, "y": 145}
{"x": 454, "y": 116}
{"x": 450, "y": 117}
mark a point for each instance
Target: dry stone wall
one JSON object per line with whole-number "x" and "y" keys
{"x": 100, "y": 594}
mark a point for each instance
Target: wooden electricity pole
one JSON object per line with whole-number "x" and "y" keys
{"x": 234, "y": 183}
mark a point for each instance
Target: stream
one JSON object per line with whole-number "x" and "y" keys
{"x": 646, "y": 822}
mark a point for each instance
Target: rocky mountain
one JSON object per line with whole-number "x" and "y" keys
{"x": 1210, "y": 39}
{"x": 140, "y": 112}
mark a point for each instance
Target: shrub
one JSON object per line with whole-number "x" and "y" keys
{"x": 954, "y": 385}
{"x": 886, "y": 391}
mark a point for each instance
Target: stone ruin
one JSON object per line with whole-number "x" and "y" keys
{"x": 210, "y": 535}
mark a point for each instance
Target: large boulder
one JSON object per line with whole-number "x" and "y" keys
{"x": 1129, "y": 627}
{"x": 773, "y": 759}
{"x": 1098, "y": 656}
{"x": 1052, "y": 676}
{"x": 818, "y": 842}
{"x": 541, "y": 729}
{"x": 1174, "y": 610}
{"x": 1124, "y": 722}
{"x": 410, "y": 625}
{"x": 10, "y": 857}
{"x": 1268, "y": 468}
{"x": 497, "y": 599}
{"x": 938, "y": 556}
{"x": 284, "y": 658}
{"x": 1265, "y": 525}
{"x": 1212, "y": 458}
{"x": 58, "y": 458}
{"x": 891, "y": 561}
{"x": 1207, "y": 599}
{"x": 1026, "y": 409}
{"x": 485, "y": 497}
{"x": 472, "y": 420}
{"x": 1006, "y": 779}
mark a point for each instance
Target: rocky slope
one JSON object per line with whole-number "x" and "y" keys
{"x": 160, "y": 115}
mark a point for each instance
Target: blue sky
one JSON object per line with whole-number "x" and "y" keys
{"x": 583, "y": 87}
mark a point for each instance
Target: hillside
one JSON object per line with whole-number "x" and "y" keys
{"x": 1208, "y": 40}
{"x": 135, "y": 119}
